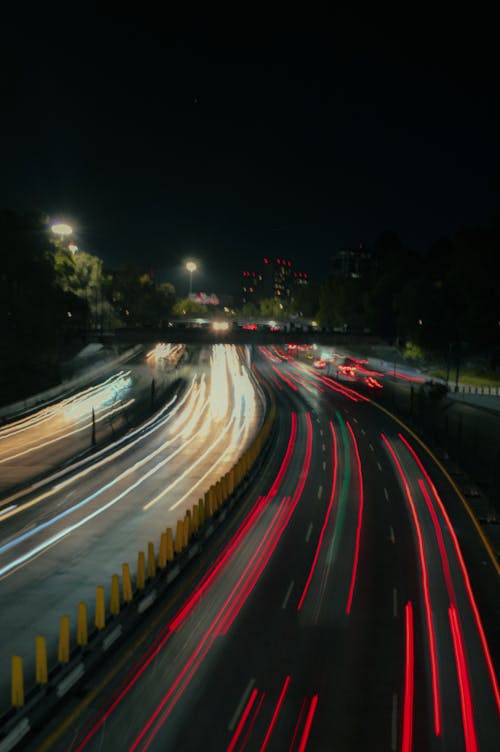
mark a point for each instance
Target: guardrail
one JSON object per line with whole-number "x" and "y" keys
{"x": 157, "y": 567}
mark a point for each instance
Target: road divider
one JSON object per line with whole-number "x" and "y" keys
{"x": 154, "y": 575}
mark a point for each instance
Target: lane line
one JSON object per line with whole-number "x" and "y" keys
{"x": 321, "y": 432}
{"x": 355, "y": 419}
{"x": 320, "y": 491}
{"x": 392, "y": 537}
{"x": 309, "y": 531}
{"x": 386, "y": 494}
{"x": 363, "y": 432}
{"x": 323, "y": 447}
{"x": 379, "y": 466}
{"x": 288, "y": 594}
{"x": 371, "y": 447}
{"x": 324, "y": 465}
{"x": 241, "y": 704}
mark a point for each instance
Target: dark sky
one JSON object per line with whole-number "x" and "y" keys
{"x": 161, "y": 146}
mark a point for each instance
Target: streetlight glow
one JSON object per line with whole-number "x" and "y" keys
{"x": 62, "y": 229}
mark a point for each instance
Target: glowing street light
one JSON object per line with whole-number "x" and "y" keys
{"x": 191, "y": 267}
{"x": 61, "y": 229}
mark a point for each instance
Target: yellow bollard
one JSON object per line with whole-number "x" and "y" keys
{"x": 140, "y": 581}
{"x": 162, "y": 554}
{"x": 187, "y": 529}
{"x": 195, "y": 518}
{"x": 100, "y": 608}
{"x": 201, "y": 513}
{"x": 206, "y": 504}
{"x": 63, "y": 649}
{"x": 42, "y": 673}
{"x": 231, "y": 481}
{"x": 17, "y": 682}
{"x": 81, "y": 625}
{"x": 114, "y": 602}
{"x": 127, "y": 583}
{"x": 151, "y": 560}
{"x": 179, "y": 536}
{"x": 170, "y": 545}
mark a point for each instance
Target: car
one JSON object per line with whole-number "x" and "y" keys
{"x": 319, "y": 363}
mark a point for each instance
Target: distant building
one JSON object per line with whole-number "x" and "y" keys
{"x": 276, "y": 279}
{"x": 355, "y": 262}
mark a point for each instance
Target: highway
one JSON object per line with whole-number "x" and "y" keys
{"x": 35, "y": 444}
{"x": 350, "y": 604}
{"x": 60, "y": 541}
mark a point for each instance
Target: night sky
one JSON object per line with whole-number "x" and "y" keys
{"x": 160, "y": 146}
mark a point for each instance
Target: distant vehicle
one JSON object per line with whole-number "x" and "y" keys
{"x": 319, "y": 363}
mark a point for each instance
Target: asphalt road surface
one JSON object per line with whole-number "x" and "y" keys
{"x": 350, "y": 605}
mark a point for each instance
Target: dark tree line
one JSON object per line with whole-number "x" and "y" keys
{"x": 448, "y": 295}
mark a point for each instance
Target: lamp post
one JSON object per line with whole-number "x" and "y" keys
{"x": 191, "y": 267}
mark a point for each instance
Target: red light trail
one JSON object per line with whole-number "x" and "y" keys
{"x": 275, "y": 714}
{"x": 463, "y": 682}
{"x": 406, "y": 744}
{"x": 360, "y": 521}
{"x": 425, "y": 588}
{"x": 465, "y": 574}
{"x": 243, "y": 720}
{"x": 307, "y": 726}
{"x": 325, "y": 522}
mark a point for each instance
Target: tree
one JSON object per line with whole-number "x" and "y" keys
{"x": 187, "y": 307}
{"x": 249, "y": 310}
{"x": 272, "y": 308}
{"x": 81, "y": 274}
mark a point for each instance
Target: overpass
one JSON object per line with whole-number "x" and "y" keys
{"x": 237, "y": 336}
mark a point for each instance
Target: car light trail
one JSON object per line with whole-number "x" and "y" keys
{"x": 325, "y": 521}
{"x": 195, "y": 598}
{"x": 14, "y": 565}
{"x": 407, "y": 740}
{"x": 255, "y": 713}
{"x": 425, "y": 587}
{"x": 360, "y": 522}
{"x": 237, "y": 597}
{"x": 243, "y": 720}
{"x": 284, "y": 378}
{"x": 275, "y": 714}
{"x": 64, "y": 436}
{"x": 463, "y": 682}
{"x": 298, "y": 724}
{"x": 341, "y": 510}
{"x": 307, "y": 726}
{"x": 143, "y": 434}
{"x": 61, "y": 534}
{"x": 465, "y": 574}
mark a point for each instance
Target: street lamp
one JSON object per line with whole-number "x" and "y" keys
{"x": 191, "y": 267}
{"x": 61, "y": 229}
